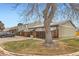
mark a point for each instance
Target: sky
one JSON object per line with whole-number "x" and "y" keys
{"x": 11, "y": 16}
{"x": 7, "y": 15}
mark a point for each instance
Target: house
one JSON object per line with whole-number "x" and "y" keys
{"x": 39, "y": 31}
{"x": 58, "y": 31}
{"x": 13, "y": 29}
{"x": 66, "y": 29}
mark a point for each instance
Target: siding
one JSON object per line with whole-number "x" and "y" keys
{"x": 66, "y": 30}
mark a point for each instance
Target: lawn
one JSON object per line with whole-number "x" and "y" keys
{"x": 36, "y": 47}
{"x": 72, "y": 42}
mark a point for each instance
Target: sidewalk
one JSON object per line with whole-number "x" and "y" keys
{"x": 16, "y": 38}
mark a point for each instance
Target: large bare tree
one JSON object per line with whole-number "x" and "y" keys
{"x": 48, "y": 15}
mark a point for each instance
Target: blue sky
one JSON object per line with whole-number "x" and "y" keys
{"x": 8, "y": 16}
{"x": 11, "y": 17}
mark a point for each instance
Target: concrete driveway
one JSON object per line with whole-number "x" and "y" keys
{"x": 16, "y": 38}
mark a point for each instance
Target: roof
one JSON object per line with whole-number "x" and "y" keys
{"x": 42, "y": 26}
{"x": 6, "y": 29}
{"x": 32, "y": 27}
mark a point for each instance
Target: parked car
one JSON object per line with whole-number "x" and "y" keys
{"x": 6, "y": 34}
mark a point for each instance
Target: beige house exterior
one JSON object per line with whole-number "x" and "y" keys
{"x": 67, "y": 30}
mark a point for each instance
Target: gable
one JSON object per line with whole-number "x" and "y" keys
{"x": 68, "y": 25}
{"x": 66, "y": 30}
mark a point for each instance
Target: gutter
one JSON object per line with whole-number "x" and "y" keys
{"x": 73, "y": 24}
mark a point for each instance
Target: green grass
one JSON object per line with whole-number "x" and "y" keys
{"x": 31, "y": 46}
{"x": 18, "y": 45}
{"x": 72, "y": 42}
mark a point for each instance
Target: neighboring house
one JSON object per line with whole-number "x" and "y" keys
{"x": 13, "y": 29}
{"x": 6, "y": 29}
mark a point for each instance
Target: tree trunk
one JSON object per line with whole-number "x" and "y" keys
{"x": 47, "y": 20}
{"x": 48, "y": 36}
